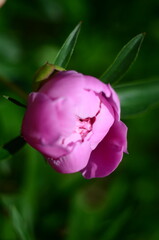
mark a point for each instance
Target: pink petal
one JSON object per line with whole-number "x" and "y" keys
{"x": 74, "y": 161}
{"x": 108, "y": 154}
{"x": 115, "y": 102}
{"x": 55, "y": 151}
{"x": 45, "y": 121}
{"x": 104, "y": 121}
{"x": 88, "y": 105}
{"x": 64, "y": 84}
{"x": 96, "y": 85}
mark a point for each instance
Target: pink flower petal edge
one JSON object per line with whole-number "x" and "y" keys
{"x": 108, "y": 154}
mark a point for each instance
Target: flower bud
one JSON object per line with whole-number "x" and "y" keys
{"x": 74, "y": 121}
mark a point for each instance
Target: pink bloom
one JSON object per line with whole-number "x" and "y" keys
{"x": 74, "y": 121}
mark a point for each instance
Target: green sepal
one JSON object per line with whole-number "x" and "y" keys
{"x": 44, "y": 72}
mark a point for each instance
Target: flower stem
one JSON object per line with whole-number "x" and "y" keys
{"x": 12, "y": 86}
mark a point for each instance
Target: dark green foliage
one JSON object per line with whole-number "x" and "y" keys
{"x": 67, "y": 207}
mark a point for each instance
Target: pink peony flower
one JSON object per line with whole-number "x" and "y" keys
{"x": 74, "y": 121}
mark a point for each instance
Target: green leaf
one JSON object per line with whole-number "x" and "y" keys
{"x": 14, "y": 101}
{"x": 124, "y": 60}
{"x": 137, "y": 97}
{"x": 18, "y": 222}
{"x": 10, "y": 148}
{"x": 65, "y": 53}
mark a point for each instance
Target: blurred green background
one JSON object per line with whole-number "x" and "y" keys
{"x": 36, "y": 202}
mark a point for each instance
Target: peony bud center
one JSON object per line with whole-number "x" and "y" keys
{"x": 82, "y": 131}
{"x": 84, "y": 126}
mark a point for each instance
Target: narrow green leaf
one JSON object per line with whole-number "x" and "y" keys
{"x": 124, "y": 60}
{"x": 18, "y": 222}
{"x": 65, "y": 53}
{"x": 10, "y": 148}
{"x": 14, "y": 101}
{"x": 137, "y": 97}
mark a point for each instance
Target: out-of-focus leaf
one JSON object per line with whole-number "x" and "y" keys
{"x": 30, "y": 187}
{"x": 10, "y": 148}
{"x": 124, "y": 60}
{"x": 4, "y": 154}
{"x": 65, "y": 53}
{"x": 13, "y": 87}
{"x": 137, "y": 97}
{"x": 14, "y": 101}
{"x": 113, "y": 230}
{"x": 18, "y": 222}
{"x": 82, "y": 220}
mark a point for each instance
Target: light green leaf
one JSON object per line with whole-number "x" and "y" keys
{"x": 19, "y": 224}
{"x": 138, "y": 97}
{"x": 65, "y": 53}
{"x": 124, "y": 60}
{"x": 10, "y": 148}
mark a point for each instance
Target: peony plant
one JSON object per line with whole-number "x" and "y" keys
{"x": 74, "y": 120}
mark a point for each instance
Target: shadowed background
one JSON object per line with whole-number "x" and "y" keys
{"x": 35, "y": 199}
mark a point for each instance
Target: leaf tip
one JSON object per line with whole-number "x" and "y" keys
{"x": 144, "y": 33}
{"x": 141, "y": 36}
{"x": 80, "y": 23}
